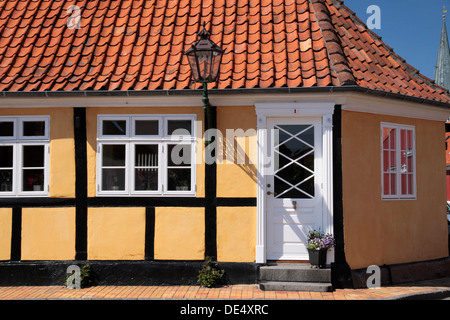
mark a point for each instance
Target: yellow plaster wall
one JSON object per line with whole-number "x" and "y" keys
{"x": 116, "y": 233}
{"x": 236, "y": 234}
{"x": 48, "y": 234}
{"x": 179, "y": 233}
{"x": 237, "y": 179}
{"x": 62, "y": 154}
{"x": 62, "y": 147}
{"x": 5, "y": 233}
{"x": 91, "y": 132}
{"x": 380, "y": 231}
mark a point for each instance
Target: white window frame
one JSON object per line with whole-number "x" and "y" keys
{"x": 131, "y": 140}
{"x": 18, "y": 141}
{"x": 398, "y": 152}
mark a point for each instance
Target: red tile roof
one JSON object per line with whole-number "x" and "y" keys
{"x": 139, "y": 45}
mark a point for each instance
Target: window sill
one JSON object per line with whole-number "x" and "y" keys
{"x": 391, "y": 199}
{"x": 146, "y": 195}
{"x": 25, "y": 195}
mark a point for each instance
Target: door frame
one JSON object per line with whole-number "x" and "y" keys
{"x": 265, "y": 110}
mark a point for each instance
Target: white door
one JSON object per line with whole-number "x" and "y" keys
{"x": 294, "y": 196}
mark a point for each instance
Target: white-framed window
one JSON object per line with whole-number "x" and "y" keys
{"x": 24, "y": 156}
{"x": 146, "y": 155}
{"x": 398, "y": 161}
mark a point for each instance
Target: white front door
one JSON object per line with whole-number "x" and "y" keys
{"x": 294, "y": 189}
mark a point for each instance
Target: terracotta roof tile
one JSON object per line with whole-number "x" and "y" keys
{"x": 139, "y": 45}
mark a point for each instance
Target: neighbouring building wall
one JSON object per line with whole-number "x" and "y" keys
{"x": 376, "y": 231}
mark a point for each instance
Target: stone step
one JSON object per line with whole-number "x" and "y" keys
{"x": 290, "y": 272}
{"x": 295, "y": 286}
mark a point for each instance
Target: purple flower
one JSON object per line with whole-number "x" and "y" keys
{"x": 318, "y": 240}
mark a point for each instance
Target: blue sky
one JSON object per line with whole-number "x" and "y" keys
{"x": 411, "y": 27}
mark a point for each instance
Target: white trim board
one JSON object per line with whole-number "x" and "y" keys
{"x": 351, "y": 101}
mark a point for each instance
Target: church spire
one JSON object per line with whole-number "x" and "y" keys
{"x": 442, "y": 72}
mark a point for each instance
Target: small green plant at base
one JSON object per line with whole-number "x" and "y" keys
{"x": 210, "y": 275}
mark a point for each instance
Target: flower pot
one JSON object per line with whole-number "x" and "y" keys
{"x": 317, "y": 258}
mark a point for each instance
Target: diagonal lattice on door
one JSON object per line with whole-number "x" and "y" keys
{"x": 294, "y": 161}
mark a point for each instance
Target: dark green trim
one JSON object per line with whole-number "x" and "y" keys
{"x": 211, "y": 197}
{"x": 340, "y": 270}
{"x": 16, "y": 234}
{"x": 36, "y": 202}
{"x": 79, "y": 118}
{"x": 126, "y": 202}
{"x": 149, "y": 233}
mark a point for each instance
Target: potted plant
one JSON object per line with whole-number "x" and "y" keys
{"x": 318, "y": 245}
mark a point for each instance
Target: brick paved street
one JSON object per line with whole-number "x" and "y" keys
{"x": 235, "y": 292}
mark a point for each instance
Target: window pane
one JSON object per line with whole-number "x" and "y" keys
{"x": 113, "y": 179}
{"x": 113, "y": 155}
{"x": 183, "y": 127}
{"x": 179, "y": 155}
{"x": 147, "y": 127}
{"x": 403, "y": 139}
{"x": 33, "y": 128}
{"x": 393, "y": 161}
{"x": 6, "y": 156}
{"x": 409, "y": 140}
{"x": 6, "y": 180}
{"x": 386, "y": 138}
{"x": 386, "y": 161}
{"x": 33, "y": 179}
{"x": 393, "y": 178}
{"x": 410, "y": 162}
{"x": 403, "y": 157}
{"x": 6, "y": 129}
{"x": 179, "y": 179}
{"x": 386, "y": 184}
{"x": 392, "y": 138}
{"x": 284, "y": 190}
{"x": 404, "y": 184}
{"x": 410, "y": 184}
{"x": 114, "y": 127}
{"x": 33, "y": 156}
{"x": 146, "y": 179}
{"x": 146, "y": 155}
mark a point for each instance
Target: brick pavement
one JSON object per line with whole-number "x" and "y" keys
{"x": 235, "y": 292}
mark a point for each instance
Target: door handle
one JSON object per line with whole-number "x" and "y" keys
{"x": 269, "y": 193}
{"x": 294, "y": 203}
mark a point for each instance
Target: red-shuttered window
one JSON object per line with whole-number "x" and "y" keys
{"x": 398, "y": 161}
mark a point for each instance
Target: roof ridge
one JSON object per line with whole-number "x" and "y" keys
{"x": 335, "y": 52}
